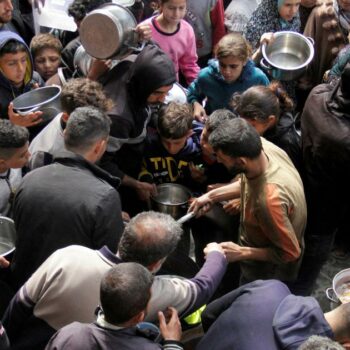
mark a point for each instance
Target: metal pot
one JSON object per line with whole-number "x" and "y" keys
{"x": 45, "y": 99}
{"x": 288, "y": 56}
{"x": 340, "y": 291}
{"x": 109, "y": 32}
{"x": 171, "y": 199}
{"x": 7, "y": 236}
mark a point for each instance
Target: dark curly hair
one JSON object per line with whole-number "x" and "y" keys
{"x": 80, "y": 8}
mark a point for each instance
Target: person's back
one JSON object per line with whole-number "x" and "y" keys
{"x": 69, "y": 202}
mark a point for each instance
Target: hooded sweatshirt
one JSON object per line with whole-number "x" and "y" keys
{"x": 262, "y": 315}
{"x": 8, "y": 92}
{"x": 129, "y": 84}
{"x": 211, "y": 84}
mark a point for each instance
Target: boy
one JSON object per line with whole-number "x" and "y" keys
{"x": 171, "y": 153}
{"x": 13, "y": 156}
{"x": 16, "y": 77}
{"x": 46, "y": 53}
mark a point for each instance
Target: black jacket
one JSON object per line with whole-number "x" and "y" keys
{"x": 71, "y": 201}
{"x": 129, "y": 85}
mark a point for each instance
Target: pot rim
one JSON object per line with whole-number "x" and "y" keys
{"x": 170, "y": 184}
{"x": 306, "y": 63}
{"x": 336, "y": 278}
{"x": 37, "y": 104}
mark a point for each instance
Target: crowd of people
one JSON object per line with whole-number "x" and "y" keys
{"x": 267, "y": 163}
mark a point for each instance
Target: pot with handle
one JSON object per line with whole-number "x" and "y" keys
{"x": 109, "y": 32}
{"x": 287, "y": 56}
{"x": 340, "y": 291}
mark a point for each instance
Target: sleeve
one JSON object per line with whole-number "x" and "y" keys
{"x": 172, "y": 345}
{"x": 217, "y": 18}
{"x": 188, "y": 62}
{"x": 194, "y": 92}
{"x": 109, "y": 223}
{"x": 274, "y": 221}
{"x": 39, "y": 159}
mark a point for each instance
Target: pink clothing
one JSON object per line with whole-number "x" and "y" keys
{"x": 180, "y": 46}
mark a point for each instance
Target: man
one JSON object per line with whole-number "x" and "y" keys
{"x": 265, "y": 315}
{"x": 119, "y": 325}
{"x": 66, "y": 286}
{"x": 75, "y": 93}
{"x": 134, "y": 87}
{"x": 273, "y": 208}
{"x": 71, "y": 201}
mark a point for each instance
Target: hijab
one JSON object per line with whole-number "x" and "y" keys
{"x": 343, "y": 18}
{"x": 266, "y": 18}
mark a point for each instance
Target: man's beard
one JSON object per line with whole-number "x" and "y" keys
{"x": 235, "y": 170}
{"x": 6, "y": 18}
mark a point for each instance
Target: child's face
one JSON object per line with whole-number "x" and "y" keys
{"x": 207, "y": 150}
{"x": 19, "y": 158}
{"x": 174, "y": 146}
{"x": 289, "y": 9}
{"x": 173, "y": 11}
{"x": 47, "y": 62}
{"x": 13, "y": 66}
{"x": 231, "y": 68}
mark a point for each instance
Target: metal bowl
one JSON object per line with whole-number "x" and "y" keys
{"x": 45, "y": 99}
{"x": 288, "y": 56}
{"x": 7, "y": 236}
{"x": 171, "y": 199}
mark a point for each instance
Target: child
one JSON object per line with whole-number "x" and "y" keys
{"x": 176, "y": 37}
{"x": 13, "y": 157}
{"x": 16, "y": 77}
{"x": 169, "y": 153}
{"x": 232, "y": 71}
{"x": 46, "y": 53}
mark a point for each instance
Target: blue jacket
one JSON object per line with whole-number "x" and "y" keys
{"x": 8, "y": 91}
{"x": 262, "y": 315}
{"x": 211, "y": 84}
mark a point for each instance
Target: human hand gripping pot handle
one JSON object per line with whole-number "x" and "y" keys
{"x": 213, "y": 247}
{"x": 27, "y": 120}
{"x": 3, "y": 262}
{"x": 170, "y": 328}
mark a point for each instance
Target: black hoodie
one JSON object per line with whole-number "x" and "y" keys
{"x": 129, "y": 84}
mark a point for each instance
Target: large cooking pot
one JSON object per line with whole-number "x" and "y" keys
{"x": 109, "y": 32}
{"x": 171, "y": 199}
{"x": 340, "y": 291}
{"x": 287, "y": 56}
{"x": 45, "y": 99}
{"x": 7, "y": 236}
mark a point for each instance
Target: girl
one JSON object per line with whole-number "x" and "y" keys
{"x": 272, "y": 16}
{"x": 176, "y": 37}
{"x": 268, "y": 109}
{"x": 232, "y": 71}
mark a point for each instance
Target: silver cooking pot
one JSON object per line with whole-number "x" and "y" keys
{"x": 109, "y": 32}
{"x": 7, "y": 236}
{"x": 340, "y": 291}
{"x": 287, "y": 56}
{"x": 45, "y": 99}
{"x": 171, "y": 199}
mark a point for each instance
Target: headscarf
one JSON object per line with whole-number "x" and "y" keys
{"x": 343, "y": 18}
{"x": 266, "y": 18}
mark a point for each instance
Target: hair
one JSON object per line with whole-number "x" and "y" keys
{"x": 125, "y": 291}
{"x": 44, "y": 41}
{"x": 86, "y": 126}
{"x": 236, "y": 138}
{"x": 259, "y": 102}
{"x": 217, "y": 117}
{"x": 80, "y": 8}
{"x": 235, "y": 45}
{"x": 13, "y": 46}
{"x": 82, "y": 92}
{"x": 174, "y": 120}
{"x": 149, "y": 237}
{"x": 316, "y": 342}
{"x": 12, "y": 137}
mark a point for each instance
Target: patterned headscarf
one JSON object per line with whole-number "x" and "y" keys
{"x": 343, "y": 18}
{"x": 266, "y": 18}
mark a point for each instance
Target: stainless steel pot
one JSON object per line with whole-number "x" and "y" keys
{"x": 45, "y": 99}
{"x": 171, "y": 199}
{"x": 340, "y": 291}
{"x": 7, "y": 236}
{"x": 109, "y": 32}
{"x": 288, "y": 56}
